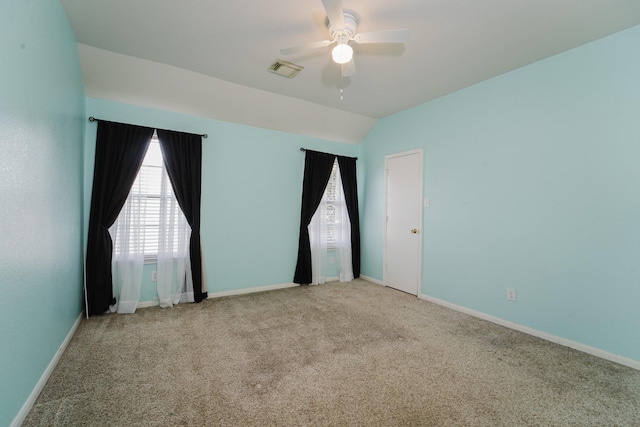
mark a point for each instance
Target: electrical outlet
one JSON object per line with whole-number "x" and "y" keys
{"x": 154, "y": 275}
{"x": 332, "y": 260}
{"x": 511, "y": 294}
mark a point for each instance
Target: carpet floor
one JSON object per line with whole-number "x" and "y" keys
{"x": 354, "y": 354}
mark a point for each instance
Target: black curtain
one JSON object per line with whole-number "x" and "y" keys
{"x": 350, "y": 186}
{"x": 182, "y": 154}
{"x": 317, "y": 171}
{"x": 120, "y": 149}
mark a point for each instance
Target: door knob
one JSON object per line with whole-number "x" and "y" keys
{"x": 414, "y": 231}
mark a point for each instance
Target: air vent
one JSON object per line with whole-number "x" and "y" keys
{"x": 286, "y": 69}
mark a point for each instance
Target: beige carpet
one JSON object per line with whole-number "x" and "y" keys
{"x": 336, "y": 354}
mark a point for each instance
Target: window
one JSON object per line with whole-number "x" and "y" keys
{"x": 330, "y": 206}
{"x": 139, "y": 225}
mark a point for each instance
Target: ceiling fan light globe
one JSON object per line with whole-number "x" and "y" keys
{"x": 342, "y": 53}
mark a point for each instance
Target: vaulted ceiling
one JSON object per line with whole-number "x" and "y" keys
{"x": 211, "y": 58}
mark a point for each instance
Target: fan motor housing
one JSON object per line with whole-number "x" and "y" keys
{"x": 351, "y": 21}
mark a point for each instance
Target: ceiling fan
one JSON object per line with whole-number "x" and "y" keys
{"x": 343, "y": 26}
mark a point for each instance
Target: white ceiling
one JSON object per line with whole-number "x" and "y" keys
{"x": 223, "y": 49}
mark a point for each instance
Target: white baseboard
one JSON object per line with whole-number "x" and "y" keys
{"x": 635, "y": 364}
{"x": 31, "y": 400}
{"x": 251, "y": 290}
{"x": 155, "y": 302}
{"x": 372, "y": 280}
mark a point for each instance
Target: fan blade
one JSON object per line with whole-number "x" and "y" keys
{"x": 306, "y": 47}
{"x": 349, "y": 69}
{"x": 335, "y": 13}
{"x": 385, "y": 36}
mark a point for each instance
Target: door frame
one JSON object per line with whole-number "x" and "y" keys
{"x": 420, "y": 153}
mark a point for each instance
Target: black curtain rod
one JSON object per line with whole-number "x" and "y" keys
{"x": 304, "y": 149}
{"x": 93, "y": 119}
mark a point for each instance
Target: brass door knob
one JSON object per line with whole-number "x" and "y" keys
{"x": 414, "y": 231}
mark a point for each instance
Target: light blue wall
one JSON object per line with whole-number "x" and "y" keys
{"x": 41, "y": 143}
{"x": 251, "y": 193}
{"x": 534, "y": 183}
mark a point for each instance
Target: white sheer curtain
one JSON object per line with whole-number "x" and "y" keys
{"x": 343, "y": 233}
{"x": 330, "y": 229}
{"x": 128, "y": 258}
{"x": 174, "y": 281}
{"x": 318, "y": 242}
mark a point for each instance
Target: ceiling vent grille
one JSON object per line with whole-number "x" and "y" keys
{"x": 286, "y": 69}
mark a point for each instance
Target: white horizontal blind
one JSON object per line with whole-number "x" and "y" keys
{"x": 150, "y": 189}
{"x": 329, "y": 208}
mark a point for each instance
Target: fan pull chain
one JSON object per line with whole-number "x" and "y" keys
{"x": 341, "y": 81}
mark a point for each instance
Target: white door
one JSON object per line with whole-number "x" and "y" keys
{"x": 403, "y": 230}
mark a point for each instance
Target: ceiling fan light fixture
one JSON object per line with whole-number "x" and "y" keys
{"x": 342, "y": 53}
